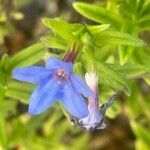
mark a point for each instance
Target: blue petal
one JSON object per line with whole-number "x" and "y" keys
{"x": 80, "y": 86}
{"x": 43, "y": 97}
{"x": 74, "y": 102}
{"x": 68, "y": 66}
{"x": 32, "y": 74}
{"x": 54, "y": 63}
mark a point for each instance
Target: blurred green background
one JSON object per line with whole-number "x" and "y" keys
{"x": 128, "y": 121}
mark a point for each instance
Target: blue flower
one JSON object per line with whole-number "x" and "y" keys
{"x": 56, "y": 81}
{"x": 95, "y": 118}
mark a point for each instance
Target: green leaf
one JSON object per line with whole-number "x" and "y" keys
{"x": 98, "y": 14}
{"x": 110, "y": 77}
{"x": 118, "y": 38}
{"x": 102, "y": 53}
{"x": 88, "y": 57}
{"x": 19, "y": 90}
{"x": 78, "y": 67}
{"x": 4, "y": 63}
{"x": 80, "y": 142}
{"x": 4, "y": 70}
{"x": 97, "y": 28}
{"x": 141, "y": 56}
{"x": 147, "y": 80}
{"x": 125, "y": 53}
{"x": 140, "y": 145}
{"x": 146, "y": 8}
{"x": 8, "y": 107}
{"x": 133, "y": 102}
{"x": 127, "y": 8}
{"x": 3, "y": 132}
{"x": 4, "y": 30}
{"x": 3, "y": 17}
{"x": 86, "y": 38}
{"x": 141, "y": 132}
{"x": 144, "y": 25}
{"x": 64, "y": 32}
{"x": 144, "y": 22}
{"x": 114, "y": 110}
{"x": 105, "y": 94}
{"x": 138, "y": 100}
{"x": 139, "y": 5}
{"x": 55, "y": 41}
{"x": 133, "y": 71}
{"x": 62, "y": 28}
{"x": 112, "y": 6}
{"x": 28, "y": 56}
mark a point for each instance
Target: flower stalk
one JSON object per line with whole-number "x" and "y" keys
{"x": 73, "y": 53}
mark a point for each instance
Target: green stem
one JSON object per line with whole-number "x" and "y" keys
{"x": 89, "y": 57}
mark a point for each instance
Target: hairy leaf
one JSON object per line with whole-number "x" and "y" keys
{"x": 62, "y": 28}
{"x": 55, "y": 41}
{"x": 28, "y": 56}
{"x": 98, "y": 14}
{"x": 19, "y": 90}
{"x": 109, "y": 37}
{"x": 114, "y": 79}
{"x": 97, "y": 28}
{"x": 125, "y": 51}
{"x": 134, "y": 70}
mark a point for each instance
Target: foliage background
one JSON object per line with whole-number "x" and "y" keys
{"x": 122, "y": 62}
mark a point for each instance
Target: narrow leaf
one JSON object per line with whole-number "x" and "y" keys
{"x": 28, "y": 56}
{"x": 62, "y": 28}
{"x": 112, "y": 78}
{"x": 98, "y": 14}
{"x": 55, "y": 41}
{"x": 125, "y": 53}
{"x": 141, "y": 145}
{"x": 97, "y": 28}
{"x": 141, "y": 132}
{"x": 144, "y": 25}
{"x": 19, "y": 90}
{"x": 4, "y": 63}
{"x": 109, "y": 37}
{"x": 147, "y": 80}
{"x": 3, "y": 132}
{"x": 134, "y": 71}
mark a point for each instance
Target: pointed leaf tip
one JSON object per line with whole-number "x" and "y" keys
{"x": 98, "y": 14}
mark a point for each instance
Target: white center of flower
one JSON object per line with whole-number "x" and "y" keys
{"x": 61, "y": 75}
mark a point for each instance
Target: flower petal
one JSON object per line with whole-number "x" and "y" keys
{"x": 43, "y": 97}
{"x": 74, "y": 102}
{"x": 32, "y": 74}
{"x": 92, "y": 121}
{"x": 53, "y": 63}
{"x": 68, "y": 66}
{"x": 80, "y": 86}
